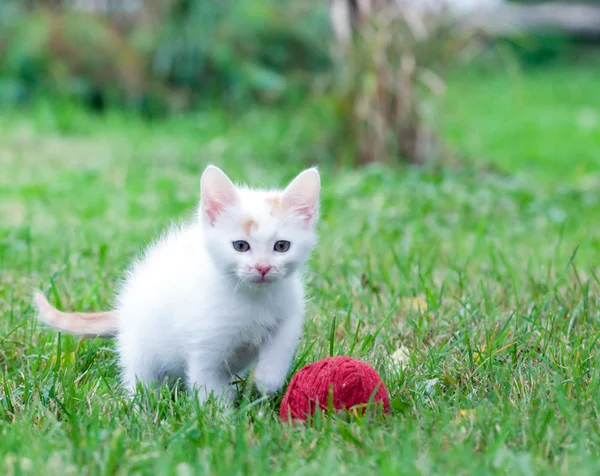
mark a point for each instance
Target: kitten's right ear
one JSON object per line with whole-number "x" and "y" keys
{"x": 302, "y": 195}
{"x": 216, "y": 193}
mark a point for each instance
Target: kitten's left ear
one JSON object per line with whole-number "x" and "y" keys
{"x": 302, "y": 195}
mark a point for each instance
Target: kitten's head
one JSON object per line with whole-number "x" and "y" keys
{"x": 255, "y": 236}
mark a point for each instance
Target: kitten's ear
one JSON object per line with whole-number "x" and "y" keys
{"x": 302, "y": 195}
{"x": 216, "y": 193}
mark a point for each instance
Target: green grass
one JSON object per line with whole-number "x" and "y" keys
{"x": 543, "y": 122}
{"x": 503, "y": 375}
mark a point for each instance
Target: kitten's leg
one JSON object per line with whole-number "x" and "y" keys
{"x": 276, "y": 355}
{"x": 205, "y": 379}
{"x": 136, "y": 370}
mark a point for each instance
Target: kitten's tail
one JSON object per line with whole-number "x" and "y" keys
{"x": 97, "y": 324}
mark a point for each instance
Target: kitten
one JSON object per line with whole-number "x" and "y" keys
{"x": 215, "y": 295}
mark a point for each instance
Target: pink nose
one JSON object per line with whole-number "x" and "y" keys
{"x": 263, "y": 270}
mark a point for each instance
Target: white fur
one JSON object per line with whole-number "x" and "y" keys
{"x": 192, "y": 306}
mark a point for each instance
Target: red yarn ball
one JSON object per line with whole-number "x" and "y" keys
{"x": 352, "y": 381}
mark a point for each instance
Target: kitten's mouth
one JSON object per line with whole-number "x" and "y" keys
{"x": 261, "y": 280}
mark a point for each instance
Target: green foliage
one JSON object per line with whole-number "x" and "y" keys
{"x": 70, "y": 54}
{"x": 540, "y": 49}
{"x": 546, "y": 45}
{"x": 166, "y": 56}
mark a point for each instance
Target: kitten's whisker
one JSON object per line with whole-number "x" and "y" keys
{"x": 237, "y": 286}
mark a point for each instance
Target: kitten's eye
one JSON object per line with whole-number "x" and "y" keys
{"x": 282, "y": 246}
{"x": 241, "y": 246}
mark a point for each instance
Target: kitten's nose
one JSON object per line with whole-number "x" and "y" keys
{"x": 263, "y": 269}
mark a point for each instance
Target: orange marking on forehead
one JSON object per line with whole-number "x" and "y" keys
{"x": 249, "y": 226}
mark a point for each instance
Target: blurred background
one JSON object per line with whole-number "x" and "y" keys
{"x": 365, "y": 80}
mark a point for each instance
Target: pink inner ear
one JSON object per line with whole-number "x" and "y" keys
{"x": 302, "y": 195}
{"x": 213, "y": 209}
{"x": 216, "y": 193}
{"x": 215, "y": 205}
{"x": 299, "y": 205}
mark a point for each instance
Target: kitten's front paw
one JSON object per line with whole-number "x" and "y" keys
{"x": 269, "y": 379}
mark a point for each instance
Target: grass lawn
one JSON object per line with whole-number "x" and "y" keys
{"x": 541, "y": 121}
{"x": 503, "y": 374}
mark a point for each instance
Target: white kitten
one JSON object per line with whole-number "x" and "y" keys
{"x": 213, "y": 296}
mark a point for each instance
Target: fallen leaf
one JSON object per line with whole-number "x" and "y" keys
{"x": 400, "y": 358}
{"x": 415, "y": 303}
{"x": 465, "y": 414}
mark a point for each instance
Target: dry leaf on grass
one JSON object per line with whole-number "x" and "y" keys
{"x": 399, "y": 359}
{"x": 464, "y": 415}
{"x": 414, "y": 303}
